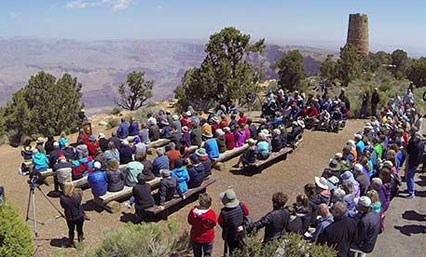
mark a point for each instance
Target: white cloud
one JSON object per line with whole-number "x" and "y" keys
{"x": 115, "y": 5}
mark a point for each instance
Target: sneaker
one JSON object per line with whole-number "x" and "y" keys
{"x": 410, "y": 196}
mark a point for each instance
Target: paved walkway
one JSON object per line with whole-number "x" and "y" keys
{"x": 405, "y": 225}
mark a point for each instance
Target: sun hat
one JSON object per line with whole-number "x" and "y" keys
{"x": 358, "y": 167}
{"x": 338, "y": 155}
{"x": 125, "y": 142}
{"x": 207, "y": 134}
{"x": 201, "y": 153}
{"x": 40, "y": 140}
{"x": 265, "y": 132}
{"x": 101, "y": 135}
{"x": 92, "y": 138}
{"x": 388, "y": 164}
{"x": 97, "y": 165}
{"x": 220, "y": 132}
{"x": 364, "y": 201}
{"x": 188, "y": 113}
{"x": 229, "y": 198}
{"x": 347, "y": 175}
{"x": 185, "y": 129}
{"x": 377, "y": 181}
{"x": 165, "y": 172}
{"x": 55, "y": 144}
{"x": 321, "y": 182}
{"x": 175, "y": 117}
{"x": 216, "y": 119}
{"x": 358, "y": 136}
{"x": 301, "y": 123}
{"x": 227, "y": 129}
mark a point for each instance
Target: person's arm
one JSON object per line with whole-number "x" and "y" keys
{"x": 265, "y": 220}
{"x": 162, "y": 192}
{"x": 190, "y": 217}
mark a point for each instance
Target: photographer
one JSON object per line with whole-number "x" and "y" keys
{"x": 74, "y": 213}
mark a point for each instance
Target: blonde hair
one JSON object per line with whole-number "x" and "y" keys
{"x": 113, "y": 165}
{"x": 68, "y": 189}
{"x": 373, "y": 195}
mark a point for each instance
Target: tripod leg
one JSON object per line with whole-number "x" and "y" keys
{"x": 28, "y": 206}
{"x": 50, "y": 202}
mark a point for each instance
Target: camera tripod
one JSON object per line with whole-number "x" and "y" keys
{"x": 32, "y": 202}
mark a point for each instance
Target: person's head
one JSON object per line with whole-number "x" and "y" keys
{"x": 171, "y": 146}
{"x": 309, "y": 190}
{"x": 279, "y": 200}
{"x": 348, "y": 187}
{"x": 68, "y": 189}
{"x": 55, "y": 145}
{"x": 165, "y": 173}
{"x": 111, "y": 145}
{"x": 97, "y": 165}
{"x": 364, "y": 204}
{"x": 141, "y": 179}
{"x": 160, "y": 151}
{"x": 323, "y": 210}
{"x": 338, "y": 209}
{"x": 140, "y": 156}
{"x": 113, "y": 165}
{"x": 194, "y": 158}
{"x": 373, "y": 195}
{"x": 376, "y": 184}
{"x": 204, "y": 201}
{"x": 62, "y": 158}
{"x": 302, "y": 200}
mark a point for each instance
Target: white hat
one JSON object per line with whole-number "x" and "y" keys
{"x": 220, "y": 132}
{"x": 301, "y": 123}
{"x": 97, "y": 165}
{"x": 175, "y": 117}
{"x": 388, "y": 164}
{"x": 101, "y": 135}
{"x": 188, "y": 113}
{"x": 321, "y": 182}
{"x": 125, "y": 142}
{"x": 358, "y": 167}
{"x": 358, "y": 136}
{"x": 364, "y": 201}
{"x": 338, "y": 155}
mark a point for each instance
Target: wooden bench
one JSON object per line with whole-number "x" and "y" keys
{"x": 164, "y": 213}
{"x": 261, "y": 164}
{"x": 218, "y": 163}
{"x": 110, "y": 200}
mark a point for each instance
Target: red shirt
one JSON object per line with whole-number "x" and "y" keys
{"x": 230, "y": 141}
{"x": 242, "y": 120}
{"x": 203, "y": 223}
{"x": 173, "y": 156}
{"x": 92, "y": 146}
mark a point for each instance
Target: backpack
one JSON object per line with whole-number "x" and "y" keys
{"x": 80, "y": 167}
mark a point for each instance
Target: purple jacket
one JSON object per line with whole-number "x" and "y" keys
{"x": 240, "y": 138}
{"x": 186, "y": 137}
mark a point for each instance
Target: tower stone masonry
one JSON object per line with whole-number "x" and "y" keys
{"x": 358, "y": 32}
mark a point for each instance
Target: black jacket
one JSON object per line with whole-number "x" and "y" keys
{"x": 368, "y": 230}
{"x": 103, "y": 144}
{"x": 143, "y": 196}
{"x": 415, "y": 153}
{"x": 117, "y": 142}
{"x": 154, "y": 132}
{"x": 275, "y": 223}
{"x": 115, "y": 181}
{"x": 72, "y": 206}
{"x": 207, "y": 167}
{"x": 339, "y": 235}
{"x": 126, "y": 154}
{"x": 148, "y": 170}
{"x": 196, "y": 175}
{"x": 375, "y": 99}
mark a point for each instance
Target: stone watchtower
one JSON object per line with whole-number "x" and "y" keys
{"x": 358, "y": 32}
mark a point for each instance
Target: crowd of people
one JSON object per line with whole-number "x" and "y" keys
{"x": 320, "y": 112}
{"x": 345, "y": 207}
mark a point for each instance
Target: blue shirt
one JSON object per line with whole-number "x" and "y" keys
{"x": 161, "y": 162}
{"x": 98, "y": 182}
{"x": 212, "y": 148}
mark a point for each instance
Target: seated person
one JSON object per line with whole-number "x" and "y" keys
{"x": 142, "y": 198}
{"x": 210, "y": 144}
{"x": 115, "y": 177}
{"x": 63, "y": 171}
{"x": 40, "y": 161}
{"x": 277, "y": 141}
{"x": 98, "y": 180}
{"x": 173, "y": 154}
{"x": 296, "y": 131}
{"x": 220, "y": 138}
{"x": 196, "y": 171}
{"x": 169, "y": 188}
{"x": 160, "y": 163}
{"x": 81, "y": 167}
{"x": 249, "y": 156}
{"x": 262, "y": 147}
{"x": 133, "y": 169}
{"x": 147, "y": 166}
{"x": 204, "y": 159}
{"x": 229, "y": 138}
{"x": 126, "y": 152}
{"x": 181, "y": 174}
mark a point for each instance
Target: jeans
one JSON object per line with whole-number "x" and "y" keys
{"x": 72, "y": 224}
{"x": 199, "y": 249}
{"x": 411, "y": 171}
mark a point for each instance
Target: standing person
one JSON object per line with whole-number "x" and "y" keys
{"x": 202, "y": 220}
{"x": 231, "y": 219}
{"x": 364, "y": 106}
{"x": 275, "y": 221}
{"x": 74, "y": 213}
{"x": 375, "y": 99}
{"x": 324, "y": 221}
{"x": 368, "y": 226}
{"x": 415, "y": 154}
{"x": 341, "y": 233}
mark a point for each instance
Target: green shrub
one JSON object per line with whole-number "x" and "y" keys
{"x": 291, "y": 246}
{"x": 112, "y": 123}
{"x": 16, "y": 237}
{"x": 146, "y": 239}
{"x": 115, "y": 111}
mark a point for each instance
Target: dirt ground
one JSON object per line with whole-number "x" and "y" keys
{"x": 288, "y": 176}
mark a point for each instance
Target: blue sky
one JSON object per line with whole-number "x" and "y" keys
{"x": 393, "y": 23}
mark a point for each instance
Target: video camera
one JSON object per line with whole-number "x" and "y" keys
{"x": 35, "y": 178}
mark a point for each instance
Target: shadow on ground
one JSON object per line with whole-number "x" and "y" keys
{"x": 413, "y": 215}
{"x": 409, "y": 230}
